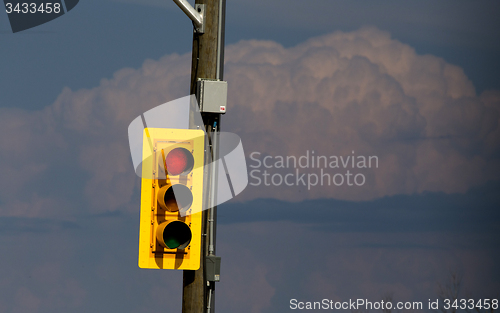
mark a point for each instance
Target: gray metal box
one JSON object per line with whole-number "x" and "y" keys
{"x": 212, "y": 95}
{"x": 212, "y": 267}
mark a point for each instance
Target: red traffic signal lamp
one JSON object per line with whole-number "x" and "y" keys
{"x": 171, "y": 198}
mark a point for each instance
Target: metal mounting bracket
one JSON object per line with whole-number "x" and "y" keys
{"x": 200, "y": 8}
{"x": 196, "y": 14}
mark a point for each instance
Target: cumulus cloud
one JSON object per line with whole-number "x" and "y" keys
{"x": 365, "y": 92}
{"x": 74, "y": 154}
{"x": 359, "y": 91}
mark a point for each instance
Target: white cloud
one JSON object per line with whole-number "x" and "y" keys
{"x": 366, "y": 92}
{"x": 86, "y": 130}
{"x": 359, "y": 91}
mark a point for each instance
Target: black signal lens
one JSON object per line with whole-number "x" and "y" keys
{"x": 175, "y": 198}
{"x": 174, "y": 234}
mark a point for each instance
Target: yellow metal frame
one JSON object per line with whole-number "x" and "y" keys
{"x": 151, "y": 253}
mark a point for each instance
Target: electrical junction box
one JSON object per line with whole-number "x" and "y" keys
{"x": 212, "y": 267}
{"x": 212, "y": 95}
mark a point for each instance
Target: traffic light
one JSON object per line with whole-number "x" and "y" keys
{"x": 171, "y": 198}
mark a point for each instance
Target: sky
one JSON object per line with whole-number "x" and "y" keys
{"x": 411, "y": 86}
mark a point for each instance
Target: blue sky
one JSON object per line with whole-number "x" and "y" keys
{"x": 414, "y": 83}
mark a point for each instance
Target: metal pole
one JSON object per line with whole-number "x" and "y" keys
{"x": 215, "y": 148}
{"x": 213, "y": 190}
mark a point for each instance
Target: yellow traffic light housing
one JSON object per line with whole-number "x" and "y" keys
{"x": 171, "y": 198}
